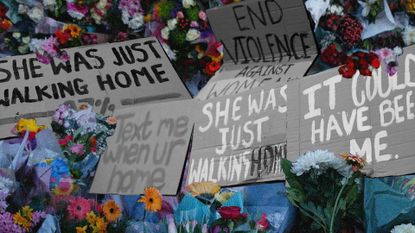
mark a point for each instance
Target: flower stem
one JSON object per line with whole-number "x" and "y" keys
{"x": 333, "y": 216}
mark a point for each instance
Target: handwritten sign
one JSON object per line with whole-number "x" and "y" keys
{"x": 148, "y": 148}
{"x": 240, "y": 138}
{"x": 233, "y": 79}
{"x": 373, "y": 117}
{"x": 263, "y": 31}
{"x": 107, "y": 76}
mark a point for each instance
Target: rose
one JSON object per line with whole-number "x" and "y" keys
{"x": 211, "y": 68}
{"x": 165, "y": 32}
{"x": 262, "y": 224}
{"x": 231, "y": 212}
{"x": 192, "y": 35}
{"x": 188, "y": 3}
{"x": 202, "y": 15}
{"x": 171, "y": 24}
{"x": 348, "y": 70}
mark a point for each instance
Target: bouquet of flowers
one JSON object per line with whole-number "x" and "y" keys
{"x": 326, "y": 190}
{"x": 183, "y": 28}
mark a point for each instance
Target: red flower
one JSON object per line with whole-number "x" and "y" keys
{"x": 350, "y": 30}
{"x": 332, "y": 56}
{"x": 5, "y": 24}
{"x": 231, "y": 212}
{"x": 65, "y": 141}
{"x": 3, "y": 10}
{"x": 374, "y": 60}
{"x": 212, "y": 67}
{"x": 348, "y": 69}
{"x": 262, "y": 224}
{"x": 63, "y": 36}
{"x": 93, "y": 144}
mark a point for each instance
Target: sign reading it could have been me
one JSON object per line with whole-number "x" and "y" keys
{"x": 149, "y": 148}
{"x": 373, "y": 117}
{"x": 240, "y": 138}
{"x": 107, "y": 76}
{"x": 263, "y": 31}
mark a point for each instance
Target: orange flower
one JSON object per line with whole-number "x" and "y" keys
{"x": 152, "y": 199}
{"x": 81, "y": 229}
{"x": 75, "y": 30}
{"x": 354, "y": 160}
{"x": 111, "y": 210}
{"x": 18, "y": 219}
{"x": 5, "y": 24}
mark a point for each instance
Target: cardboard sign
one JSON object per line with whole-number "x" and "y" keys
{"x": 107, "y": 76}
{"x": 233, "y": 79}
{"x": 263, "y": 31}
{"x": 240, "y": 138}
{"x": 149, "y": 148}
{"x": 373, "y": 117}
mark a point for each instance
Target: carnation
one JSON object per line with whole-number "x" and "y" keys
{"x": 320, "y": 160}
{"x": 404, "y": 228}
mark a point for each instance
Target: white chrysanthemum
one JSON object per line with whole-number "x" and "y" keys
{"x": 36, "y": 14}
{"x": 409, "y": 35}
{"x": 404, "y": 228}
{"x": 36, "y": 45}
{"x": 397, "y": 51}
{"x": 188, "y": 3}
{"x": 320, "y": 160}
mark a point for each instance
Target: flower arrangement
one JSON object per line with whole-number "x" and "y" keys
{"x": 357, "y": 34}
{"x": 183, "y": 28}
{"x": 325, "y": 188}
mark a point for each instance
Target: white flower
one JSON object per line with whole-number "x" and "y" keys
{"x": 367, "y": 6}
{"x": 336, "y": 9}
{"x": 165, "y": 32}
{"x": 404, "y": 228}
{"x": 320, "y": 160}
{"x": 137, "y": 22}
{"x": 188, "y": 3}
{"x": 397, "y": 51}
{"x": 102, "y": 4}
{"x": 26, "y": 39}
{"x": 125, "y": 17}
{"x": 172, "y": 23}
{"x": 76, "y": 14}
{"x": 6, "y": 185}
{"x": 409, "y": 35}
{"x": 317, "y": 8}
{"x": 23, "y": 9}
{"x": 16, "y": 35}
{"x": 36, "y": 14}
{"x": 192, "y": 35}
{"x": 36, "y": 45}
{"x": 49, "y": 4}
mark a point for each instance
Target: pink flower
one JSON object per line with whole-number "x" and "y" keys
{"x": 78, "y": 208}
{"x": 77, "y": 149}
{"x": 50, "y": 46}
{"x": 180, "y": 15}
{"x": 64, "y": 56}
{"x": 76, "y": 11}
{"x": 42, "y": 58}
{"x": 385, "y": 54}
{"x": 262, "y": 224}
{"x": 202, "y": 15}
{"x": 194, "y": 24}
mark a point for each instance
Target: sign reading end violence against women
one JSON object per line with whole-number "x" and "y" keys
{"x": 149, "y": 148}
{"x": 373, "y": 117}
{"x": 106, "y": 76}
{"x": 240, "y": 138}
{"x": 263, "y": 31}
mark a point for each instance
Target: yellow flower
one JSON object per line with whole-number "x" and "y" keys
{"x": 100, "y": 226}
{"x": 28, "y": 125}
{"x": 152, "y": 199}
{"x": 199, "y": 188}
{"x": 147, "y": 18}
{"x": 18, "y": 219}
{"x": 111, "y": 211}
{"x": 81, "y": 229}
{"x": 74, "y": 29}
{"x": 410, "y": 6}
{"x": 91, "y": 218}
{"x": 223, "y": 196}
{"x": 27, "y": 212}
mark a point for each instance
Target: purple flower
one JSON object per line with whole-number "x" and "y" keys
{"x": 391, "y": 69}
{"x": 50, "y": 46}
{"x": 77, "y": 149}
{"x": 37, "y": 217}
{"x": 42, "y": 58}
{"x": 7, "y": 225}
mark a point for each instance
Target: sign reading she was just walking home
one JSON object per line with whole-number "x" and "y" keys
{"x": 107, "y": 76}
{"x": 373, "y": 117}
{"x": 149, "y": 148}
{"x": 240, "y": 138}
